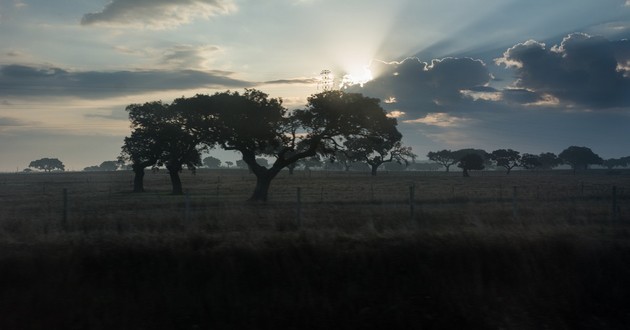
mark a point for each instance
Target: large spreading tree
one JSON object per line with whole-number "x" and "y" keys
{"x": 256, "y": 125}
{"x": 579, "y": 157}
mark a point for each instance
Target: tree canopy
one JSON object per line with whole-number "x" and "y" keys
{"x": 579, "y": 157}
{"x": 444, "y": 157}
{"x": 471, "y": 161}
{"x": 256, "y": 125}
{"x": 506, "y": 158}
{"x": 47, "y": 164}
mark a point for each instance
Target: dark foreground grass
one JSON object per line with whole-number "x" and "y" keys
{"x": 508, "y": 278}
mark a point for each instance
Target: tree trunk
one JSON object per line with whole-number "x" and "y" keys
{"x": 138, "y": 179}
{"x": 447, "y": 168}
{"x": 175, "y": 181}
{"x": 466, "y": 173}
{"x": 291, "y": 168}
{"x": 263, "y": 182}
{"x": 374, "y": 168}
{"x": 508, "y": 170}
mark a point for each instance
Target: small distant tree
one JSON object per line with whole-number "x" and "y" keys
{"x": 615, "y": 162}
{"x": 241, "y": 164}
{"x": 341, "y": 157}
{"x": 212, "y": 162}
{"x": 470, "y": 162}
{"x": 262, "y": 162}
{"x": 530, "y": 162}
{"x": 48, "y": 164}
{"x": 109, "y": 165}
{"x": 580, "y": 157}
{"x": 229, "y": 163}
{"x": 444, "y": 157}
{"x": 549, "y": 160}
{"x": 482, "y": 153}
{"x": 311, "y": 162}
{"x": 506, "y": 158}
{"x": 376, "y": 151}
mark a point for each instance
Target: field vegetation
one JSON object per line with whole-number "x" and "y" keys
{"x": 419, "y": 250}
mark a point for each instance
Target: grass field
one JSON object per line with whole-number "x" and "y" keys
{"x": 419, "y": 250}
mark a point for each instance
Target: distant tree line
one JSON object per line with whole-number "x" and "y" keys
{"x": 334, "y": 125}
{"x": 579, "y": 158}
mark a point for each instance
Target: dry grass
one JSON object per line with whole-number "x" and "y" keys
{"x": 469, "y": 257}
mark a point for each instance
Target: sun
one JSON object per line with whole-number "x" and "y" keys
{"x": 356, "y": 77}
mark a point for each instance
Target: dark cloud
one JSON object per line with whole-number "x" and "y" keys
{"x": 157, "y": 13}
{"x": 419, "y": 87}
{"x": 25, "y": 81}
{"x": 582, "y": 71}
{"x": 297, "y": 81}
{"x": 11, "y": 122}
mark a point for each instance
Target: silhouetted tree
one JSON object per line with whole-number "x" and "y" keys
{"x": 163, "y": 134}
{"x": 241, "y": 164}
{"x": 108, "y": 165}
{"x": 48, "y": 164}
{"x": 262, "y": 162}
{"x": 472, "y": 161}
{"x": 256, "y": 125}
{"x": 375, "y": 151}
{"x": 506, "y": 158}
{"x": 579, "y": 157}
{"x": 530, "y": 162}
{"x": 549, "y": 160}
{"x": 444, "y": 157}
{"x": 615, "y": 162}
{"x": 212, "y": 162}
{"x": 229, "y": 164}
{"x": 459, "y": 154}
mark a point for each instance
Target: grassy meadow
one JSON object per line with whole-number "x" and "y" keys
{"x": 419, "y": 250}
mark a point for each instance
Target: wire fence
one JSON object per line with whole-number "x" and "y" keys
{"x": 69, "y": 201}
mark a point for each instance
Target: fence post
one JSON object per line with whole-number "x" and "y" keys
{"x": 615, "y": 206}
{"x": 64, "y": 220}
{"x": 187, "y": 210}
{"x": 514, "y": 203}
{"x": 372, "y": 192}
{"x": 412, "y": 192}
{"x": 321, "y": 195}
{"x": 299, "y": 207}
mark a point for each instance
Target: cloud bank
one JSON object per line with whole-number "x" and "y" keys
{"x": 583, "y": 71}
{"x": 28, "y": 81}
{"x": 157, "y": 14}
{"x": 419, "y": 88}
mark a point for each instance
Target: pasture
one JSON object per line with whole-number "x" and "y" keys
{"x": 428, "y": 250}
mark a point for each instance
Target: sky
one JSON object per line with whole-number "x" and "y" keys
{"x": 534, "y": 76}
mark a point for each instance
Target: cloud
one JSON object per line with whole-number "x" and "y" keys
{"x": 157, "y": 14}
{"x": 188, "y": 56}
{"x": 25, "y": 81}
{"x": 296, "y": 81}
{"x": 439, "y": 119}
{"x": 419, "y": 88}
{"x": 9, "y": 122}
{"x": 585, "y": 71}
